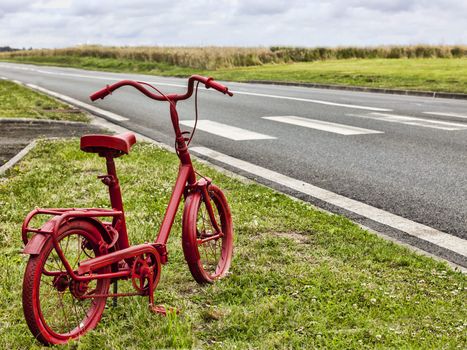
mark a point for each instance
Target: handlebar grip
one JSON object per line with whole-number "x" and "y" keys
{"x": 210, "y": 83}
{"x": 100, "y": 94}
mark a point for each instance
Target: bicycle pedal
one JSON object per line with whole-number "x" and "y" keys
{"x": 161, "y": 309}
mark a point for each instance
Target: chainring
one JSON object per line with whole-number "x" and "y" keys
{"x": 141, "y": 270}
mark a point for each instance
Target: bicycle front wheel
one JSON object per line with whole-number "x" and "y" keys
{"x": 56, "y": 307}
{"x": 207, "y": 252}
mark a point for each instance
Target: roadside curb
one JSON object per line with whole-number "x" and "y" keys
{"x": 41, "y": 121}
{"x": 433, "y": 94}
{"x": 20, "y": 155}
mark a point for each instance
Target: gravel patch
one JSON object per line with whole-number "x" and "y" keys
{"x": 15, "y": 134}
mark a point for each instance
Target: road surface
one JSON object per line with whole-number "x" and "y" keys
{"x": 389, "y": 162}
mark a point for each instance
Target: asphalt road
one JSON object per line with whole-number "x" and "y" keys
{"x": 410, "y": 160}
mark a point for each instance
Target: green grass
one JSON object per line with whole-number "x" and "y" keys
{"x": 431, "y": 74}
{"x": 17, "y": 101}
{"x": 300, "y": 278}
{"x": 426, "y": 74}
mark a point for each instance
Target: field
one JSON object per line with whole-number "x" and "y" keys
{"x": 211, "y": 58}
{"x": 427, "y": 68}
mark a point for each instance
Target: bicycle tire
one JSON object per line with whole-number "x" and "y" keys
{"x": 46, "y": 298}
{"x": 204, "y": 267}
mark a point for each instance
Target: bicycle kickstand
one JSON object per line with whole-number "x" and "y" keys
{"x": 158, "y": 309}
{"x": 115, "y": 291}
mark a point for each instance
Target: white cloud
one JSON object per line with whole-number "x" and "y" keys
{"x": 51, "y": 4}
{"x": 263, "y": 7}
{"x": 59, "y": 23}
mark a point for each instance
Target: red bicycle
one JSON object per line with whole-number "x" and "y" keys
{"x": 76, "y": 255}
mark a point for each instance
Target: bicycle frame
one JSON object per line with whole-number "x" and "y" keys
{"x": 100, "y": 251}
{"x": 186, "y": 182}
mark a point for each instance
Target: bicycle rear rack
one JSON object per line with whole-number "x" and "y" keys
{"x": 61, "y": 215}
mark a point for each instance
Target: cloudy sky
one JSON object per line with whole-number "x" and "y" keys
{"x": 61, "y": 23}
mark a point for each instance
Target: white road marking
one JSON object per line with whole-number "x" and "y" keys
{"x": 93, "y": 77}
{"x": 444, "y": 114}
{"x": 87, "y": 106}
{"x": 403, "y": 119}
{"x": 314, "y": 101}
{"x": 426, "y": 233}
{"x": 230, "y": 132}
{"x": 107, "y": 78}
{"x": 235, "y": 92}
{"x": 323, "y": 125}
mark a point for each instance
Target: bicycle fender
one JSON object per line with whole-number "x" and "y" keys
{"x": 189, "y": 214}
{"x": 37, "y": 241}
{"x": 35, "y": 244}
{"x": 99, "y": 225}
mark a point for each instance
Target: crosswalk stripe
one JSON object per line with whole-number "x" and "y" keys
{"x": 228, "y": 131}
{"x": 323, "y": 125}
{"x": 416, "y": 121}
{"x": 445, "y": 114}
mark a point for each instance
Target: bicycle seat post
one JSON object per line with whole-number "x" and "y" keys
{"x": 111, "y": 180}
{"x": 110, "y": 147}
{"x": 116, "y": 201}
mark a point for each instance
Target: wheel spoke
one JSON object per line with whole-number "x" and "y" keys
{"x": 63, "y": 310}
{"x": 209, "y": 249}
{"x": 65, "y": 251}
{"x": 57, "y": 260}
{"x": 79, "y": 254}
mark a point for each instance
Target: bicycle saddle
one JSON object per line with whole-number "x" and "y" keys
{"x": 108, "y": 145}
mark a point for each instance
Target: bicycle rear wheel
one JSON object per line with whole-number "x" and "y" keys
{"x": 53, "y": 303}
{"x": 207, "y": 252}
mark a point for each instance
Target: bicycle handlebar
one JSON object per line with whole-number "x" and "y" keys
{"x": 217, "y": 86}
{"x": 208, "y": 83}
{"x": 100, "y": 94}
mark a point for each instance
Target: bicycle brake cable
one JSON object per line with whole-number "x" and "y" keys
{"x": 196, "y": 116}
{"x": 173, "y": 105}
{"x": 168, "y": 100}
{"x": 194, "y": 126}
{"x": 160, "y": 93}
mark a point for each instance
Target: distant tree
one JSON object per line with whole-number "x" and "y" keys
{"x": 7, "y": 48}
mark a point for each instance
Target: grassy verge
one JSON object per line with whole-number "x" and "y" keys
{"x": 17, "y": 101}
{"x": 300, "y": 277}
{"x": 426, "y": 74}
